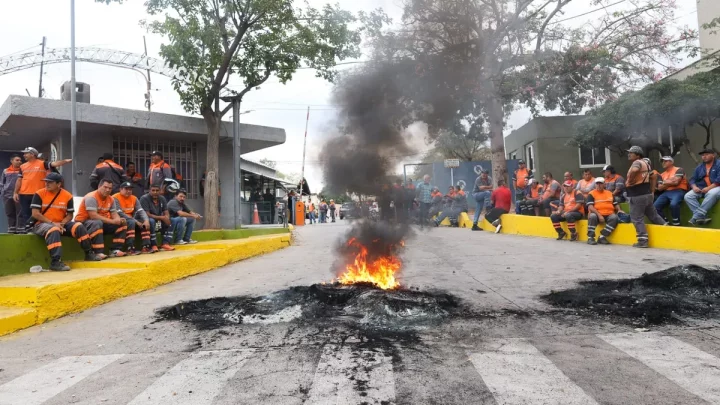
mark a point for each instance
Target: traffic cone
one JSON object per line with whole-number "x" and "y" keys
{"x": 256, "y": 216}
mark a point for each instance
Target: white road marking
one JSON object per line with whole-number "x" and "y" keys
{"x": 196, "y": 380}
{"x": 348, "y": 375}
{"x": 518, "y": 373}
{"x": 43, "y": 383}
{"x": 687, "y": 366}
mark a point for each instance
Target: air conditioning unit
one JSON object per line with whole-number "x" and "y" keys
{"x": 82, "y": 93}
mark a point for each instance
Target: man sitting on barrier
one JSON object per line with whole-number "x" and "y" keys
{"x": 568, "y": 176}
{"x": 501, "y": 200}
{"x": 437, "y": 203}
{"x": 570, "y": 210}
{"x": 129, "y": 208}
{"x": 155, "y": 206}
{"x": 705, "y": 184}
{"x": 459, "y": 205}
{"x": 672, "y": 187}
{"x": 551, "y": 192}
{"x": 587, "y": 183}
{"x": 97, "y": 212}
{"x": 481, "y": 194}
{"x": 180, "y": 211}
{"x": 531, "y": 204}
{"x": 614, "y": 183}
{"x": 52, "y": 212}
{"x": 602, "y": 209}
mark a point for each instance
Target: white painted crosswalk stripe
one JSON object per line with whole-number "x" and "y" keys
{"x": 518, "y": 373}
{"x": 347, "y": 375}
{"x": 196, "y": 380}
{"x": 43, "y": 383}
{"x": 687, "y": 366}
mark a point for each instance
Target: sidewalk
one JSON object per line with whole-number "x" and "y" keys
{"x": 31, "y": 299}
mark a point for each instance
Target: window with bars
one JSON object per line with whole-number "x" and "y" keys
{"x": 182, "y": 156}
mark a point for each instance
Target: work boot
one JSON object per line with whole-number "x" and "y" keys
{"x": 561, "y": 235}
{"x": 132, "y": 252}
{"x": 92, "y": 257}
{"x": 603, "y": 240}
{"x": 643, "y": 244}
{"x": 591, "y": 241}
{"x": 59, "y": 266}
{"x": 573, "y": 236}
{"x": 475, "y": 227}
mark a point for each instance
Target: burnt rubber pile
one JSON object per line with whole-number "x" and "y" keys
{"x": 357, "y": 306}
{"x": 667, "y": 296}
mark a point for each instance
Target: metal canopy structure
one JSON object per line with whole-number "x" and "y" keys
{"x": 128, "y": 60}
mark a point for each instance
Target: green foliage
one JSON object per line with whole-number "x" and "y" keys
{"x": 328, "y": 194}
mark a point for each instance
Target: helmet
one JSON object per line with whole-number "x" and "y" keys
{"x": 172, "y": 185}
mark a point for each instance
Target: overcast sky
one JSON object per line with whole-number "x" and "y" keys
{"x": 24, "y": 23}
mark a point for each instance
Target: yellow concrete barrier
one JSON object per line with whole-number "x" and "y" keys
{"x": 661, "y": 237}
{"x": 464, "y": 221}
{"x": 52, "y": 295}
{"x": 12, "y": 319}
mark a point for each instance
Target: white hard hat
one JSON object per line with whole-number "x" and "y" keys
{"x": 600, "y": 180}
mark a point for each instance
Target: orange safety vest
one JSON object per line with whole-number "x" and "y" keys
{"x": 110, "y": 163}
{"x": 604, "y": 201}
{"x": 105, "y": 205}
{"x": 521, "y": 177}
{"x": 59, "y": 208}
{"x": 670, "y": 173}
{"x": 127, "y": 204}
{"x": 570, "y": 202}
{"x": 535, "y": 190}
{"x": 33, "y": 176}
{"x": 585, "y": 184}
{"x": 644, "y": 175}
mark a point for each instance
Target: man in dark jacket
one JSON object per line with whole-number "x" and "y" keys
{"x": 7, "y": 187}
{"x": 705, "y": 184}
{"x": 109, "y": 170}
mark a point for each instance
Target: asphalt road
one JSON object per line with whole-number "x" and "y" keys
{"x": 514, "y": 349}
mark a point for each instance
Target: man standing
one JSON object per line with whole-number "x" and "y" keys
{"x": 155, "y": 205}
{"x": 603, "y": 209}
{"x": 551, "y": 192}
{"x": 570, "y": 210}
{"x": 270, "y": 202}
{"x": 129, "y": 208}
{"x": 501, "y": 199}
{"x": 178, "y": 209}
{"x": 673, "y": 188}
{"x": 481, "y": 194}
{"x": 136, "y": 179}
{"x": 158, "y": 171}
{"x": 705, "y": 184}
{"x": 7, "y": 188}
{"x": 52, "y": 211}
{"x": 424, "y": 195}
{"x": 108, "y": 170}
{"x": 332, "y": 210}
{"x": 323, "y": 211}
{"x": 640, "y": 188}
{"x": 99, "y": 215}
{"x": 520, "y": 182}
{"x": 30, "y": 180}
{"x": 614, "y": 183}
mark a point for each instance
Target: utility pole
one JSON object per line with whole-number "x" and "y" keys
{"x": 148, "y": 96}
{"x": 302, "y": 175}
{"x": 42, "y": 65}
{"x": 73, "y": 102}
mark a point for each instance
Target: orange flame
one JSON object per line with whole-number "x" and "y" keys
{"x": 380, "y": 272}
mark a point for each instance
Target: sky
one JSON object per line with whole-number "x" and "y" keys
{"x": 24, "y": 23}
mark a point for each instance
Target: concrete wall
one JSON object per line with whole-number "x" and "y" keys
{"x": 707, "y": 10}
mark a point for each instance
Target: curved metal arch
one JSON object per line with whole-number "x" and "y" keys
{"x": 14, "y": 63}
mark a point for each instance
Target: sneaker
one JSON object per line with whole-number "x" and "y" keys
{"x": 180, "y": 242}
{"x": 146, "y": 250}
{"x": 591, "y": 241}
{"x": 693, "y": 222}
{"x": 117, "y": 253}
{"x": 704, "y": 221}
{"x": 573, "y": 236}
{"x": 92, "y": 257}
{"x": 132, "y": 252}
{"x": 59, "y": 266}
{"x": 191, "y": 242}
{"x": 498, "y": 228}
{"x": 642, "y": 245}
{"x": 475, "y": 227}
{"x": 603, "y": 240}
{"x": 102, "y": 256}
{"x": 154, "y": 249}
{"x": 561, "y": 235}
{"x": 496, "y": 222}
{"x": 166, "y": 248}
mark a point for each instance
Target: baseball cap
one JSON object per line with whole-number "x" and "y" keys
{"x": 607, "y": 167}
{"x": 126, "y": 184}
{"x": 568, "y": 184}
{"x": 30, "y": 149}
{"x": 56, "y": 177}
{"x": 521, "y": 162}
{"x": 668, "y": 158}
{"x": 107, "y": 156}
{"x": 704, "y": 151}
{"x": 600, "y": 180}
{"x": 636, "y": 150}
{"x": 155, "y": 152}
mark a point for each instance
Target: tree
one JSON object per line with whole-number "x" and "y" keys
{"x": 507, "y": 53}
{"x": 215, "y": 44}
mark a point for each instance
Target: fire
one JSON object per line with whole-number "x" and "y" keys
{"x": 379, "y": 271}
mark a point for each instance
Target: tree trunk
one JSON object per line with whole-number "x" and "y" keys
{"x": 497, "y": 141}
{"x": 212, "y": 217}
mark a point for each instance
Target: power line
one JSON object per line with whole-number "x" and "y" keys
{"x": 588, "y": 12}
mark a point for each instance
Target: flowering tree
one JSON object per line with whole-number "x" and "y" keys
{"x": 483, "y": 58}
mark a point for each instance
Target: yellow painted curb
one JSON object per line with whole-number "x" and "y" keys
{"x": 661, "y": 237}
{"x": 12, "y": 319}
{"x": 53, "y": 295}
{"x": 464, "y": 221}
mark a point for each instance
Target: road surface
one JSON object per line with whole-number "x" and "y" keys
{"x": 513, "y": 350}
